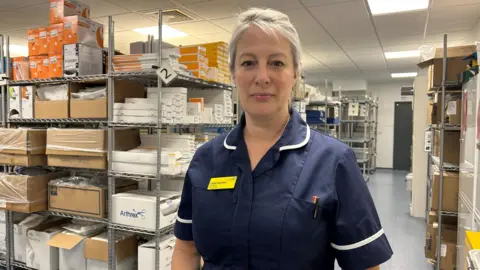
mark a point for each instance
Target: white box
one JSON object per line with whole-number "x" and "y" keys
{"x": 146, "y": 253}
{"x": 141, "y": 101}
{"x": 144, "y": 113}
{"x": 207, "y": 115}
{"x": 27, "y": 101}
{"x": 135, "y": 119}
{"x": 71, "y": 251}
{"x": 138, "y": 209}
{"x": 81, "y": 60}
{"x": 20, "y": 235}
{"x": 39, "y": 255}
{"x": 167, "y": 158}
{"x": 146, "y": 168}
{"x": 3, "y": 228}
{"x": 134, "y": 106}
{"x": 127, "y": 264}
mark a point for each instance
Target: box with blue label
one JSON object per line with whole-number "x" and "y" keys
{"x": 137, "y": 208}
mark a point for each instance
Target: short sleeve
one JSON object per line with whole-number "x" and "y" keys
{"x": 183, "y": 225}
{"x": 359, "y": 240}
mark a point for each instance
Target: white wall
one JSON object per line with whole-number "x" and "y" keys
{"x": 388, "y": 94}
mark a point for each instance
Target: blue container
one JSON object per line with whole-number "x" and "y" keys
{"x": 333, "y": 120}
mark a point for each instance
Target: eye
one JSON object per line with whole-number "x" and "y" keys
{"x": 247, "y": 63}
{"x": 277, "y": 63}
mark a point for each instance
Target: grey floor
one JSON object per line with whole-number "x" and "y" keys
{"x": 405, "y": 233}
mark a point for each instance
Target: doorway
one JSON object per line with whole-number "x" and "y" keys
{"x": 402, "y": 136}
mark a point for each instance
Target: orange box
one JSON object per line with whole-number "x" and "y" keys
{"x": 192, "y": 58}
{"x": 20, "y": 68}
{"x": 55, "y": 65}
{"x": 200, "y": 74}
{"x": 60, "y": 9}
{"x": 37, "y": 41}
{"x": 77, "y": 29}
{"x": 193, "y": 50}
{"x": 198, "y": 100}
{"x": 39, "y": 67}
{"x": 192, "y": 66}
{"x": 55, "y": 39}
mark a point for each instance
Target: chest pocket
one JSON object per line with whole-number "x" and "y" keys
{"x": 212, "y": 214}
{"x": 305, "y": 237}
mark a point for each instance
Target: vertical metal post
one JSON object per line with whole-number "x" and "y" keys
{"x": 112, "y": 261}
{"x": 442, "y": 133}
{"x": 3, "y": 89}
{"x": 7, "y": 71}
{"x": 159, "y": 148}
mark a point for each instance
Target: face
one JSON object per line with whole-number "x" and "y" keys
{"x": 264, "y": 72}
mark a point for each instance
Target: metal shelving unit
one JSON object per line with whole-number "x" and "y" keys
{"x": 149, "y": 77}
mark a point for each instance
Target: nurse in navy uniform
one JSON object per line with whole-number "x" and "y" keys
{"x": 273, "y": 193}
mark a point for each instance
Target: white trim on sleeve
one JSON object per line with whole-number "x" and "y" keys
{"x": 359, "y": 244}
{"x": 184, "y": 221}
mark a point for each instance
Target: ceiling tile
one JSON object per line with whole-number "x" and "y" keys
{"x": 450, "y": 3}
{"x": 301, "y": 18}
{"x": 275, "y": 4}
{"x": 441, "y": 25}
{"x": 16, "y": 4}
{"x": 364, "y": 50}
{"x": 354, "y": 41}
{"x": 142, "y": 5}
{"x": 464, "y": 12}
{"x": 310, "y": 63}
{"x": 227, "y": 24}
{"x": 38, "y": 13}
{"x": 461, "y": 35}
{"x": 310, "y": 3}
{"x": 132, "y": 21}
{"x": 185, "y": 41}
{"x": 13, "y": 20}
{"x": 129, "y": 37}
{"x": 186, "y": 2}
{"x": 199, "y": 28}
{"x": 346, "y": 12}
{"x": 403, "y": 63}
{"x": 401, "y": 40}
{"x": 370, "y": 61}
{"x": 99, "y": 8}
{"x": 216, "y": 9}
{"x": 214, "y": 37}
{"x": 401, "y": 24}
{"x": 397, "y": 48}
{"x": 104, "y": 21}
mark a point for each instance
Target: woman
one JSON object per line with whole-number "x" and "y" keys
{"x": 272, "y": 193}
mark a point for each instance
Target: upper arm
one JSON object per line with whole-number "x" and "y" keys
{"x": 183, "y": 226}
{"x": 359, "y": 240}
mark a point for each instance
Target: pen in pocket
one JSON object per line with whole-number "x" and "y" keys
{"x": 316, "y": 202}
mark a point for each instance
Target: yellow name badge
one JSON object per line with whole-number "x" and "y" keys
{"x": 218, "y": 183}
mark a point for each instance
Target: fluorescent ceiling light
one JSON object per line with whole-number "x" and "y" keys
{"x": 17, "y": 50}
{"x": 167, "y": 32}
{"x": 379, "y": 7}
{"x": 402, "y": 54}
{"x": 404, "y": 75}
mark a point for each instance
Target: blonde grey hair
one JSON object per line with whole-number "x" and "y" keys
{"x": 271, "y": 22}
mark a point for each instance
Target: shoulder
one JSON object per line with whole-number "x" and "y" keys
{"x": 324, "y": 146}
{"x": 213, "y": 149}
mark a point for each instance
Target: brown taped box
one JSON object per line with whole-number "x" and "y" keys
{"x": 449, "y": 220}
{"x": 84, "y": 200}
{"x": 449, "y": 240}
{"x": 27, "y": 194}
{"x": 51, "y": 109}
{"x": 449, "y": 192}
{"x": 88, "y": 142}
{"x": 451, "y": 146}
{"x": 96, "y": 248}
{"x": 454, "y": 112}
{"x": 23, "y": 141}
{"x": 77, "y": 162}
{"x": 97, "y": 108}
{"x": 458, "y": 51}
{"x": 23, "y": 160}
{"x": 455, "y": 66}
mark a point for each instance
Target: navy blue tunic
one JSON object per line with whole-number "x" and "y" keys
{"x": 267, "y": 221}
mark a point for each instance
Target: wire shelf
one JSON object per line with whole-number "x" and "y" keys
{"x": 124, "y": 228}
{"x": 180, "y": 81}
{"x": 356, "y": 121}
{"x": 353, "y": 140}
{"x": 449, "y": 127}
{"x": 171, "y": 125}
{"x": 21, "y": 265}
{"x": 56, "y": 121}
{"x": 133, "y": 176}
{"x": 450, "y": 214}
{"x": 59, "y": 214}
{"x": 89, "y": 78}
{"x": 446, "y": 166}
{"x": 3, "y": 262}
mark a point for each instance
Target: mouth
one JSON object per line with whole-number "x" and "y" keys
{"x": 261, "y": 95}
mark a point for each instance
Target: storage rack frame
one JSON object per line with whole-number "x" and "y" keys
{"x": 328, "y": 104}
{"x": 154, "y": 179}
{"x": 369, "y": 138}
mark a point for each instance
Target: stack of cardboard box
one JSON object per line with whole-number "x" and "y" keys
{"x": 23, "y": 147}
{"x": 217, "y": 54}
{"x": 448, "y": 238}
{"x": 210, "y": 105}
{"x": 195, "y": 59}
{"x": 70, "y": 46}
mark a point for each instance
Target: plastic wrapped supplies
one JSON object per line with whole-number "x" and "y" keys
{"x": 22, "y": 141}
{"x": 84, "y": 228}
{"x": 90, "y": 93}
{"x": 53, "y": 92}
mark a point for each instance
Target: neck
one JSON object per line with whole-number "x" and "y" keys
{"x": 268, "y": 128}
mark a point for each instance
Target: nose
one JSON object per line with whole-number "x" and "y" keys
{"x": 262, "y": 75}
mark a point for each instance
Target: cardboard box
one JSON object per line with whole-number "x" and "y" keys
{"x": 81, "y": 60}
{"x": 20, "y": 68}
{"x": 449, "y": 240}
{"x": 71, "y": 250}
{"x": 56, "y": 66}
{"x": 88, "y": 142}
{"x": 51, "y": 109}
{"x": 39, "y": 67}
{"x": 455, "y": 66}
{"x": 23, "y": 141}
{"x": 98, "y": 108}
{"x": 459, "y": 51}
{"x": 454, "y": 112}
{"x": 126, "y": 208}
{"x": 23, "y": 193}
{"x": 24, "y": 94}
{"x": 146, "y": 253}
{"x": 23, "y": 160}
{"x": 55, "y": 39}
{"x": 82, "y": 162}
{"x": 84, "y": 201}
{"x": 37, "y": 41}
{"x": 450, "y": 192}
{"x": 448, "y": 220}
{"x": 451, "y": 146}
{"x": 194, "y": 49}
{"x": 77, "y": 29}
{"x": 96, "y": 251}
{"x": 40, "y": 255}
{"x": 62, "y": 8}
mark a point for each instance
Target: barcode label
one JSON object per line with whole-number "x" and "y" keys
{"x": 31, "y": 38}
{"x": 33, "y": 64}
{"x": 54, "y": 33}
{"x": 53, "y": 59}
{"x": 68, "y": 25}
{"x": 53, "y": 5}
{"x": 46, "y": 62}
{"x": 43, "y": 34}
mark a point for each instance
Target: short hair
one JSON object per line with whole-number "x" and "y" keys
{"x": 271, "y": 22}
